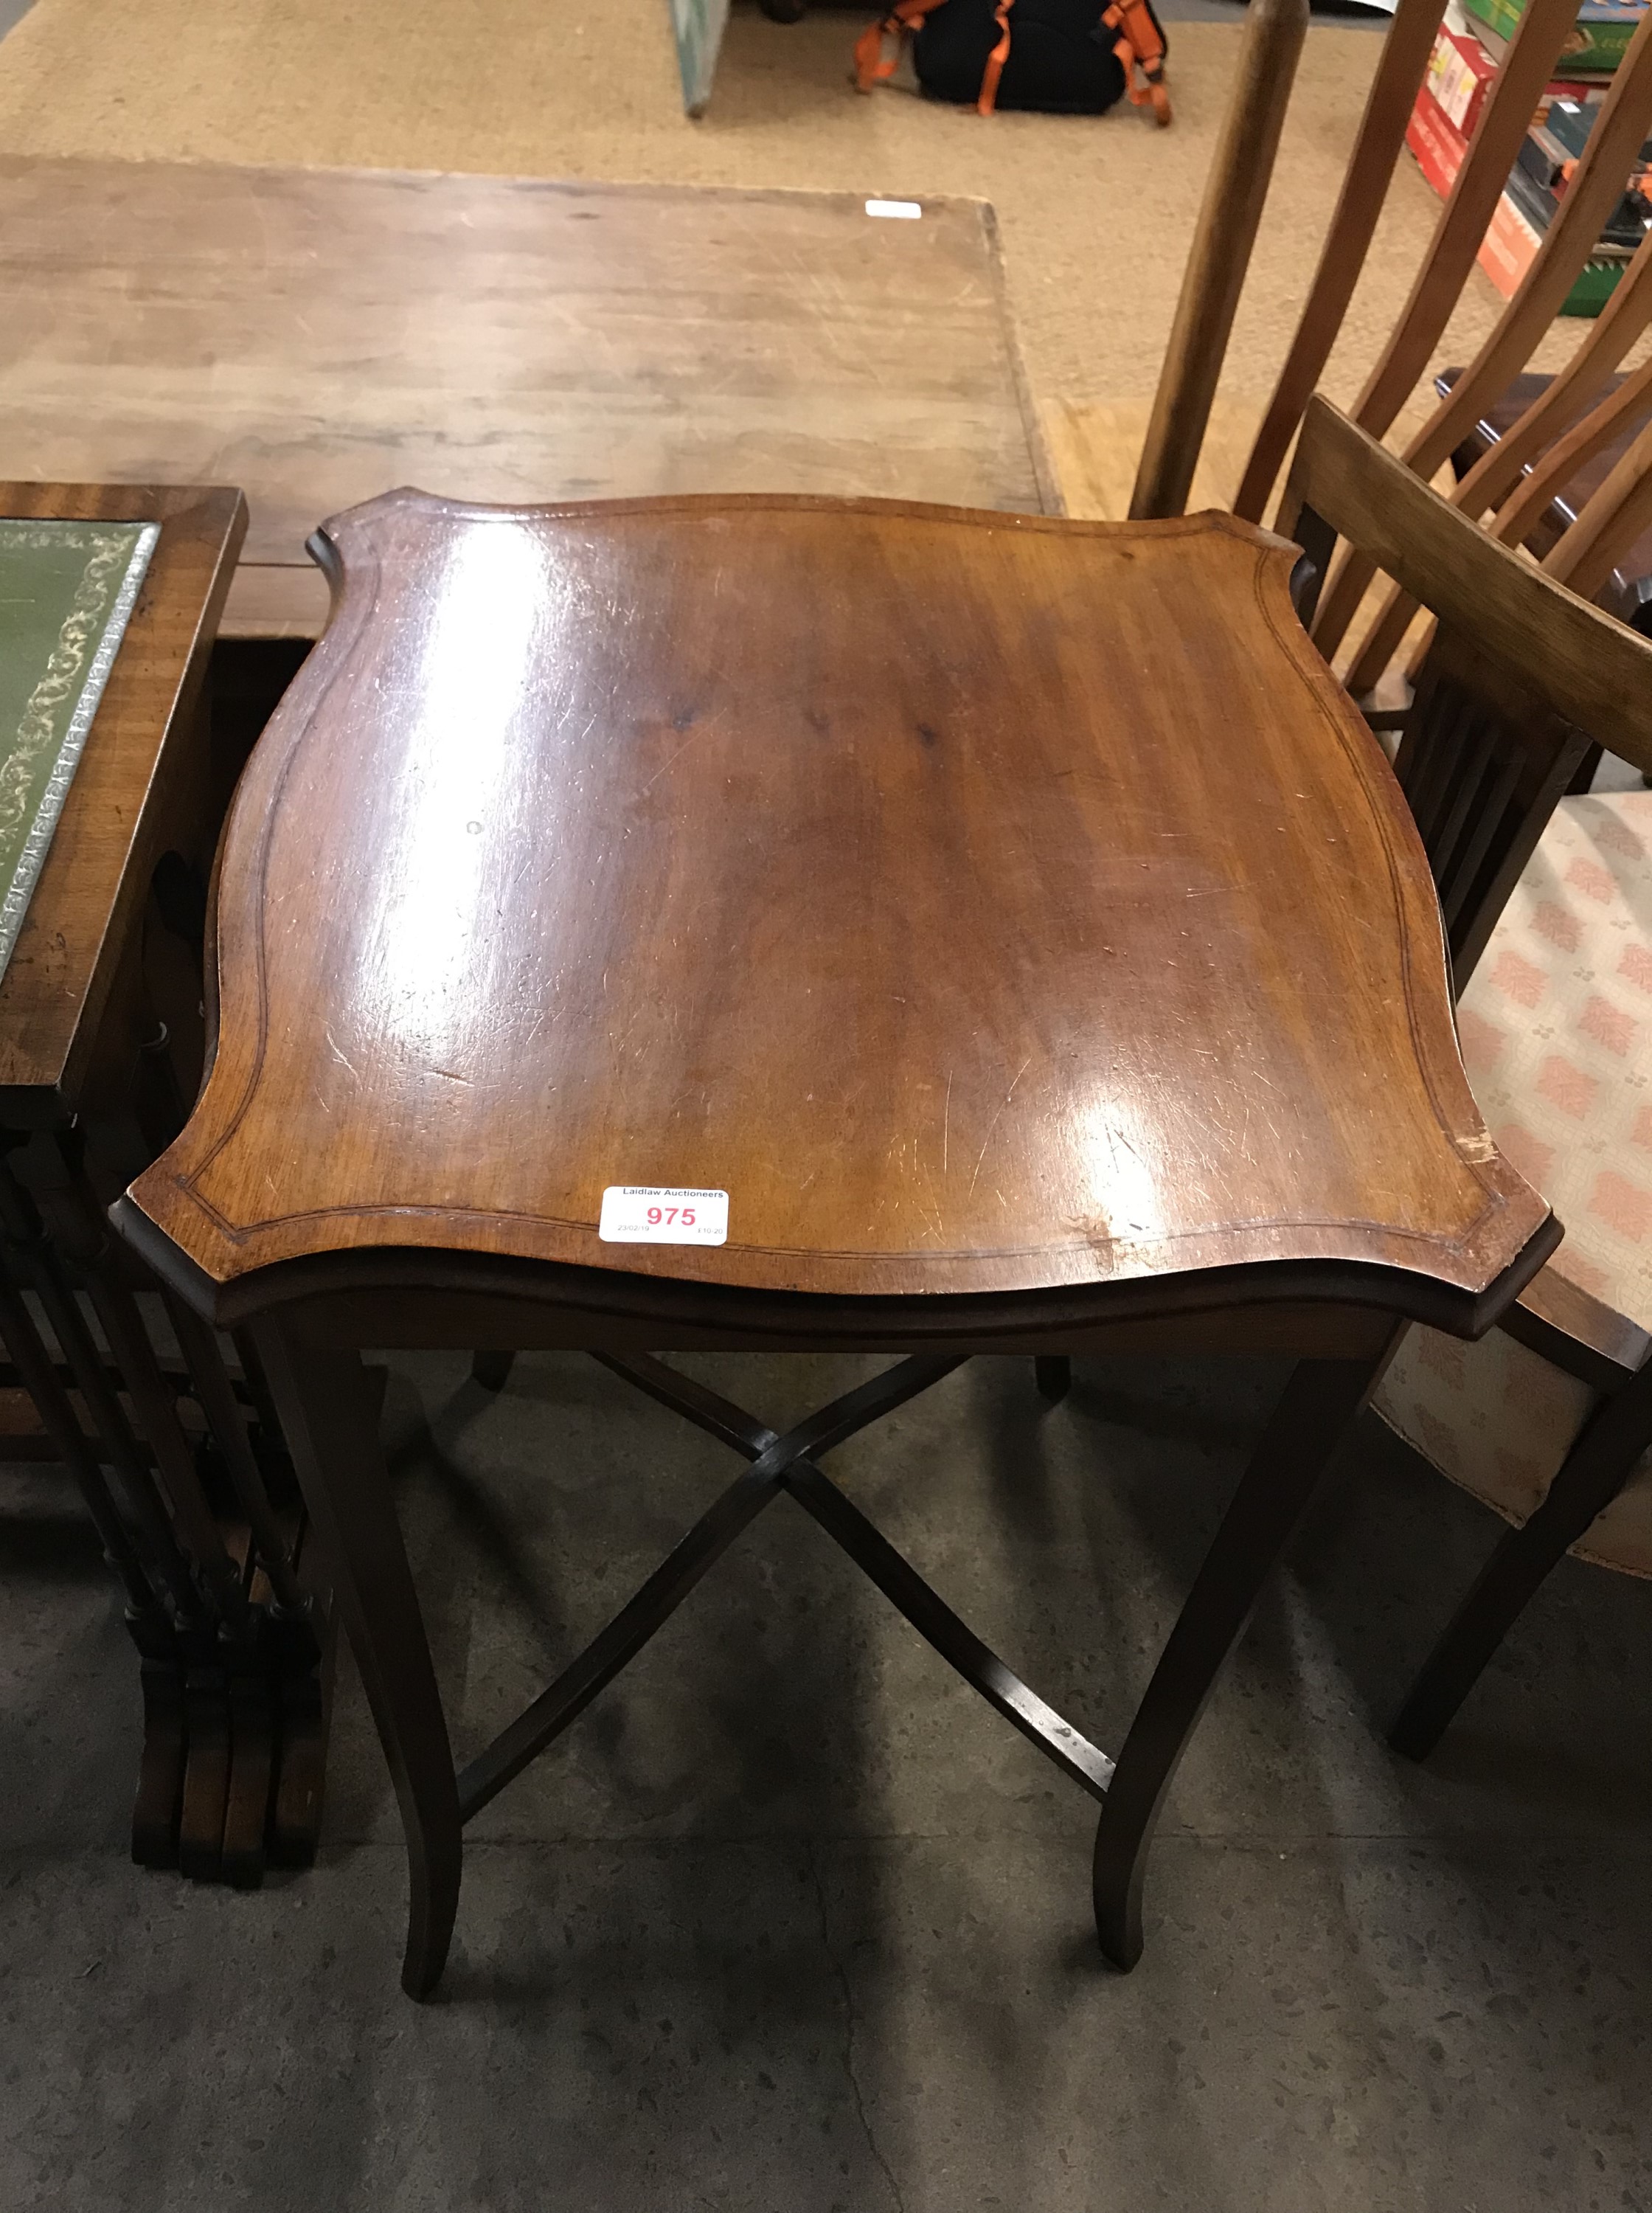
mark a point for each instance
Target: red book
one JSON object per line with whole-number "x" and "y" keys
{"x": 1460, "y": 70}
{"x": 1437, "y": 144}
{"x": 1461, "y": 73}
{"x": 1509, "y": 248}
{"x": 1510, "y": 245}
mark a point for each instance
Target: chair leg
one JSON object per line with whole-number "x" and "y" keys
{"x": 328, "y": 1413}
{"x": 1319, "y": 1402}
{"x": 491, "y": 1369}
{"x": 1594, "y": 1472}
{"x": 1053, "y": 1376}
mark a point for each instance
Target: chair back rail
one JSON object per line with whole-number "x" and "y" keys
{"x": 1570, "y": 396}
{"x": 1404, "y": 57}
{"x": 1529, "y": 65}
{"x": 1515, "y": 521}
{"x": 1451, "y": 254}
{"x": 1620, "y": 513}
{"x": 1615, "y": 522}
{"x": 1227, "y": 226}
{"x": 1451, "y": 251}
{"x": 1523, "y": 673}
{"x": 1563, "y": 412}
{"x": 1226, "y": 232}
{"x": 1614, "y": 142}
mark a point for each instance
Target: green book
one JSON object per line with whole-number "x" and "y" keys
{"x": 66, "y": 591}
{"x": 1597, "y": 42}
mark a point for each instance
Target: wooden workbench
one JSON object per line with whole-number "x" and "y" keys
{"x": 321, "y": 335}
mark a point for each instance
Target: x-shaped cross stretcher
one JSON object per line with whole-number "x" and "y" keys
{"x": 779, "y": 1463}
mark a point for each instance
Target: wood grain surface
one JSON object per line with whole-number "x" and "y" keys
{"x": 1533, "y": 412}
{"x": 986, "y": 904}
{"x": 1563, "y": 654}
{"x": 141, "y": 784}
{"x": 1235, "y": 190}
{"x": 1567, "y": 476}
{"x": 1531, "y": 61}
{"x": 1594, "y": 190}
{"x": 322, "y": 336}
{"x": 1406, "y": 47}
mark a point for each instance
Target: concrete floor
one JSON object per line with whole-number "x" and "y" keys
{"x": 791, "y": 1923}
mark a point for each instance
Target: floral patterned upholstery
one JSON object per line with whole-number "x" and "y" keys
{"x": 1557, "y": 1034}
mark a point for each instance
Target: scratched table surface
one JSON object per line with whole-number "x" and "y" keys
{"x": 319, "y": 336}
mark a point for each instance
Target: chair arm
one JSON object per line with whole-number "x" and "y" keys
{"x": 1578, "y": 1332}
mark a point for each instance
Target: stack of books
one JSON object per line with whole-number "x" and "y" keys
{"x": 1471, "y": 45}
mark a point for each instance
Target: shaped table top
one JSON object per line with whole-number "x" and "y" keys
{"x": 985, "y": 903}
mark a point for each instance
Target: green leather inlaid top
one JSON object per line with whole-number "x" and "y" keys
{"x": 66, "y": 590}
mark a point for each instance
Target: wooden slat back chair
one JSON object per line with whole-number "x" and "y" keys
{"x": 1595, "y": 553}
{"x": 1481, "y": 832}
{"x": 1517, "y": 482}
{"x": 1221, "y": 247}
{"x": 1548, "y": 909}
{"x": 1586, "y": 555}
{"x": 1624, "y": 121}
{"x": 1549, "y": 474}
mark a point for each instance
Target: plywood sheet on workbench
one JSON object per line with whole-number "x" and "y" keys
{"x": 320, "y": 336}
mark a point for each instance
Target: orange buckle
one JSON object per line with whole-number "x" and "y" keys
{"x": 872, "y": 64}
{"x": 1140, "y": 51}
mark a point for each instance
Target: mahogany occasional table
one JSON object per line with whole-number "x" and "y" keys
{"x": 1011, "y": 917}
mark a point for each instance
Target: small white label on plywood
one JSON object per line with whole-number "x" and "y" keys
{"x": 907, "y": 210}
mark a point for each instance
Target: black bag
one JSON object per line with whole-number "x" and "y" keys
{"x": 1064, "y": 56}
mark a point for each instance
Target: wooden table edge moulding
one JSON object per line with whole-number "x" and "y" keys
{"x": 1011, "y": 915}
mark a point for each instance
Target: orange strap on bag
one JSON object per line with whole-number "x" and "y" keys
{"x": 1140, "y": 48}
{"x": 872, "y": 64}
{"x": 994, "y": 61}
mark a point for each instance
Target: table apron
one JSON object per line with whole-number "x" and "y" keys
{"x": 411, "y": 1320}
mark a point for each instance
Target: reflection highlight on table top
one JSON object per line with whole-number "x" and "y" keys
{"x": 983, "y": 902}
